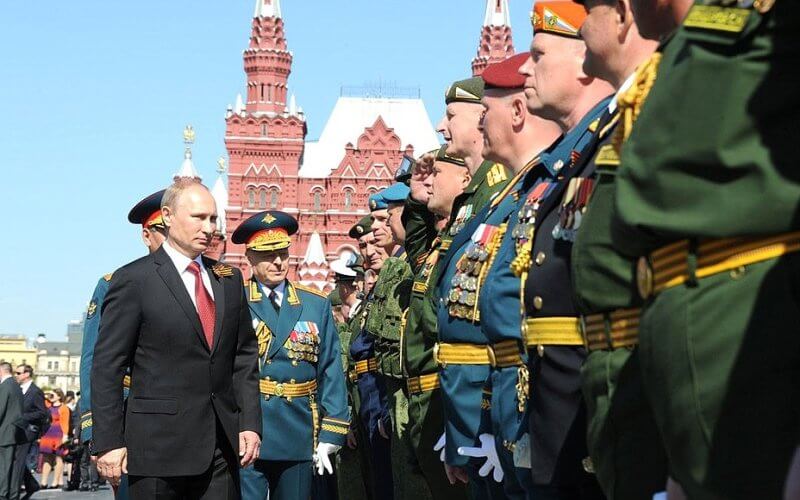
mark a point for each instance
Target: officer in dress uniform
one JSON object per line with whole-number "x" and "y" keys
{"x": 385, "y": 322}
{"x": 541, "y": 234}
{"x": 709, "y": 205}
{"x": 515, "y": 137}
{"x": 624, "y": 444}
{"x": 304, "y": 403}
{"x": 444, "y": 180}
{"x": 147, "y": 213}
{"x": 373, "y": 407}
{"x": 352, "y": 461}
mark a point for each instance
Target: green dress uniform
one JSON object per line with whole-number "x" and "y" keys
{"x": 625, "y": 447}
{"x": 426, "y": 419}
{"x": 147, "y": 213}
{"x": 304, "y": 398}
{"x": 707, "y": 196}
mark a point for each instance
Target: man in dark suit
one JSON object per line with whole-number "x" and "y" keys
{"x": 10, "y": 413}
{"x": 180, "y": 322}
{"x": 34, "y": 417}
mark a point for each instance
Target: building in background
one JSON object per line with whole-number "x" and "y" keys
{"x": 15, "y": 349}
{"x": 58, "y": 363}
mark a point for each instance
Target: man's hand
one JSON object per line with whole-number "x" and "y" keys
{"x": 352, "y": 442}
{"x": 439, "y": 446}
{"x": 321, "y": 459}
{"x": 249, "y": 445}
{"x": 487, "y": 451}
{"x": 113, "y": 464}
{"x": 455, "y": 474}
{"x": 382, "y": 430}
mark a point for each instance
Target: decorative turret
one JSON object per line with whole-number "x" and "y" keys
{"x": 187, "y": 170}
{"x": 495, "y": 44}
{"x": 313, "y": 270}
{"x": 267, "y": 61}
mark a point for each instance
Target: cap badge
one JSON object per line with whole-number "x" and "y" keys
{"x": 269, "y": 219}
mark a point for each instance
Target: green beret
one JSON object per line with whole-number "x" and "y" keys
{"x": 362, "y": 227}
{"x": 469, "y": 90}
{"x": 442, "y": 155}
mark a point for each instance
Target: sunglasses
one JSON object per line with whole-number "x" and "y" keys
{"x": 18, "y": 373}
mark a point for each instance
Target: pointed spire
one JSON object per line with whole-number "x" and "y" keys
{"x": 315, "y": 254}
{"x": 187, "y": 170}
{"x": 292, "y": 105}
{"x": 220, "y": 194}
{"x": 497, "y": 13}
{"x": 268, "y": 8}
{"x": 239, "y": 105}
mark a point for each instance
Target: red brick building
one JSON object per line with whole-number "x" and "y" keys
{"x": 325, "y": 183}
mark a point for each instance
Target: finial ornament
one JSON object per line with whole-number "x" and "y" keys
{"x": 221, "y": 166}
{"x": 188, "y": 135}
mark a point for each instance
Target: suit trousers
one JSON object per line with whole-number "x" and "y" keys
{"x": 7, "y": 486}
{"x": 22, "y": 473}
{"x": 219, "y": 482}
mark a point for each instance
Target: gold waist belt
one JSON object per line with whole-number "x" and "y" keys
{"x": 364, "y": 366}
{"x": 287, "y": 389}
{"x": 501, "y": 354}
{"x": 423, "y": 383}
{"x": 552, "y": 331}
{"x": 612, "y": 330}
{"x": 668, "y": 267}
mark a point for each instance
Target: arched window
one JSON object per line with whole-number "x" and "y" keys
{"x": 273, "y": 198}
{"x": 262, "y": 198}
{"x": 317, "y": 201}
{"x": 251, "y": 198}
{"x": 348, "y": 199}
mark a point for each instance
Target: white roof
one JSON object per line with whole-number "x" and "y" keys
{"x": 351, "y": 115}
{"x": 497, "y": 13}
{"x": 187, "y": 169}
{"x": 315, "y": 254}
{"x": 268, "y": 8}
{"x": 220, "y": 194}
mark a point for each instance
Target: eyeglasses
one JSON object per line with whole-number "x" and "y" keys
{"x": 18, "y": 373}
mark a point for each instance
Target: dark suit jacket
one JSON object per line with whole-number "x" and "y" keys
{"x": 179, "y": 386}
{"x": 10, "y": 411}
{"x": 34, "y": 414}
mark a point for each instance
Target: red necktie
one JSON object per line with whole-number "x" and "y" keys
{"x": 205, "y": 304}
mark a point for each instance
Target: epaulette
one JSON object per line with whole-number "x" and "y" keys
{"x": 222, "y": 270}
{"x": 310, "y": 289}
{"x": 108, "y": 276}
{"x": 496, "y": 174}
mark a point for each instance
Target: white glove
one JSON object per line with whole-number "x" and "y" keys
{"x": 321, "y": 460}
{"x": 439, "y": 446}
{"x": 487, "y": 451}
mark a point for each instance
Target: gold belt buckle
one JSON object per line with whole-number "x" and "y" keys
{"x": 644, "y": 277}
{"x": 279, "y": 390}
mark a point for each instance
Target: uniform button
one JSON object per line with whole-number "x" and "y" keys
{"x": 538, "y": 303}
{"x": 540, "y": 258}
{"x": 213, "y": 396}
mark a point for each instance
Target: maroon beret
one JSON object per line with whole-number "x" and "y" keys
{"x": 505, "y": 74}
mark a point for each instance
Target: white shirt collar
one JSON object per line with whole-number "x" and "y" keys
{"x": 181, "y": 261}
{"x": 279, "y": 291}
{"x": 3, "y": 378}
{"x": 25, "y": 386}
{"x": 612, "y": 106}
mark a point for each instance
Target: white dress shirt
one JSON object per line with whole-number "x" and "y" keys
{"x": 25, "y": 386}
{"x": 612, "y": 106}
{"x": 279, "y": 291}
{"x": 182, "y": 264}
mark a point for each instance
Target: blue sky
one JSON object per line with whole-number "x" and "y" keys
{"x": 95, "y": 95}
